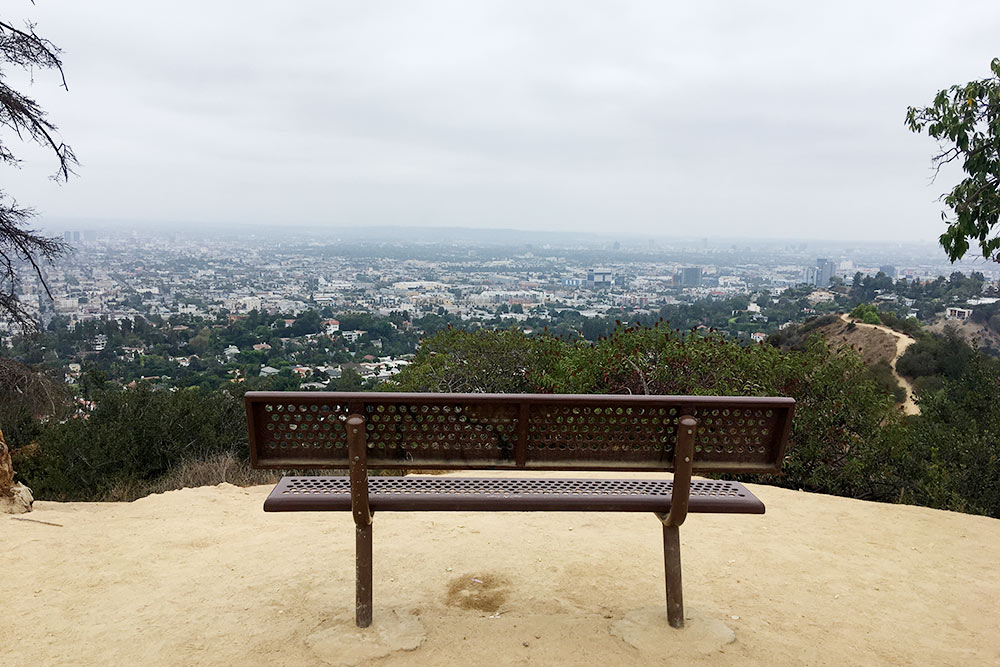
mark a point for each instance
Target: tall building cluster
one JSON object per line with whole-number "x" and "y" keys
{"x": 821, "y": 274}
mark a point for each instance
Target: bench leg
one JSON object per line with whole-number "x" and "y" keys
{"x": 363, "y": 563}
{"x": 672, "y": 566}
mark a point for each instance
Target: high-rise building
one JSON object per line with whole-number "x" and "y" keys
{"x": 597, "y": 278}
{"x": 888, "y": 270}
{"x": 819, "y": 275}
{"x": 689, "y": 276}
{"x": 824, "y": 272}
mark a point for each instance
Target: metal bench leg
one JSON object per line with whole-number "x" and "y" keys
{"x": 363, "y": 550}
{"x": 672, "y": 567}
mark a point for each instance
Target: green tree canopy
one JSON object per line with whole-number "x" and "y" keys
{"x": 966, "y": 122}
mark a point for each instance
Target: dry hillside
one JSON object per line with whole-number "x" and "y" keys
{"x": 975, "y": 334}
{"x": 874, "y": 345}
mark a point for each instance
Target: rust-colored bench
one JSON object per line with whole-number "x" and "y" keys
{"x": 682, "y": 434}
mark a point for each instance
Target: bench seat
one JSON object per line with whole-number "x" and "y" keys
{"x": 410, "y": 494}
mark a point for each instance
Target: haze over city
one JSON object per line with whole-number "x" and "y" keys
{"x": 654, "y": 119}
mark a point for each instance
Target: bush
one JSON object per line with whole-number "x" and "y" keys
{"x": 946, "y": 356}
{"x": 908, "y": 325}
{"x": 847, "y": 436}
{"x": 483, "y": 361}
{"x": 886, "y": 379}
{"x": 133, "y": 435}
{"x": 955, "y": 441}
{"x": 794, "y": 337}
{"x": 867, "y": 313}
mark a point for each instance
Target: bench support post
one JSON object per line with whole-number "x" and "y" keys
{"x": 357, "y": 450}
{"x": 687, "y": 430}
{"x": 672, "y": 568}
{"x": 363, "y": 564}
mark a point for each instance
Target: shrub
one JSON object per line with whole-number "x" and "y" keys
{"x": 133, "y": 434}
{"x": 886, "y": 379}
{"x": 946, "y": 356}
{"x": 847, "y": 437}
{"x": 955, "y": 442}
{"x": 867, "y": 313}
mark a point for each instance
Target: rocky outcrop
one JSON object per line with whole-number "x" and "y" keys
{"x": 14, "y": 498}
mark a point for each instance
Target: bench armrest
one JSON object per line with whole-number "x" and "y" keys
{"x": 357, "y": 448}
{"x": 687, "y": 428}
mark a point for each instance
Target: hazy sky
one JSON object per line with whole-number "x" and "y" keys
{"x": 697, "y": 118}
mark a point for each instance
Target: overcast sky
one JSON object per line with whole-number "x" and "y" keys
{"x": 696, "y": 118}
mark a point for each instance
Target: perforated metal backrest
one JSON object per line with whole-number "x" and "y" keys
{"x": 511, "y": 431}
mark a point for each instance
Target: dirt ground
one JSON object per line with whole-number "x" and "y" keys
{"x": 205, "y": 577}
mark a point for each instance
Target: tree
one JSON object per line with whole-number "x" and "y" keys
{"x": 966, "y": 122}
{"x": 867, "y": 313}
{"x": 21, "y": 247}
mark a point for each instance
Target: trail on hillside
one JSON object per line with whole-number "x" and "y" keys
{"x": 903, "y": 341}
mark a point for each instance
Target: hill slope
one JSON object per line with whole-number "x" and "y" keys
{"x": 975, "y": 334}
{"x": 876, "y": 344}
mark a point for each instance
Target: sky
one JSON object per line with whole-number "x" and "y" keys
{"x": 709, "y": 119}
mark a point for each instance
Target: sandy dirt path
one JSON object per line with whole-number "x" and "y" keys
{"x": 205, "y": 577}
{"x": 903, "y": 341}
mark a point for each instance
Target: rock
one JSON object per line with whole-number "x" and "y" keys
{"x": 19, "y": 502}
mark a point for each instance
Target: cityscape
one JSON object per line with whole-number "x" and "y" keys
{"x": 323, "y": 306}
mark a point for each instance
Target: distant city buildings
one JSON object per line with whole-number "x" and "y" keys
{"x": 77, "y": 236}
{"x": 600, "y": 278}
{"x": 152, "y": 275}
{"x": 821, "y": 274}
{"x": 689, "y": 277}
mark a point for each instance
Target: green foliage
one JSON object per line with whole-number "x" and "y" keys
{"x": 349, "y": 380}
{"x": 946, "y": 356}
{"x": 795, "y": 337}
{"x": 907, "y": 325}
{"x": 27, "y": 395}
{"x": 505, "y": 361}
{"x": 307, "y": 323}
{"x": 867, "y": 313}
{"x": 988, "y": 315}
{"x": 966, "y": 122}
{"x": 865, "y": 288}
{"x": 132, "y": 434}
{"x": 847, "y": 436}
{"x": 956, "y": 441}
{"x": 886, "y": 379}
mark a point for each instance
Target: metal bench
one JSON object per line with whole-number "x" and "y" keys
{"x": 360, "y": 431}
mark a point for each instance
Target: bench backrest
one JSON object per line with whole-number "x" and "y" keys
{"x": 517, "y": 431}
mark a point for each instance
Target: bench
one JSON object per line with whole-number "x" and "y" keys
{"x": 533, "y": 432}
